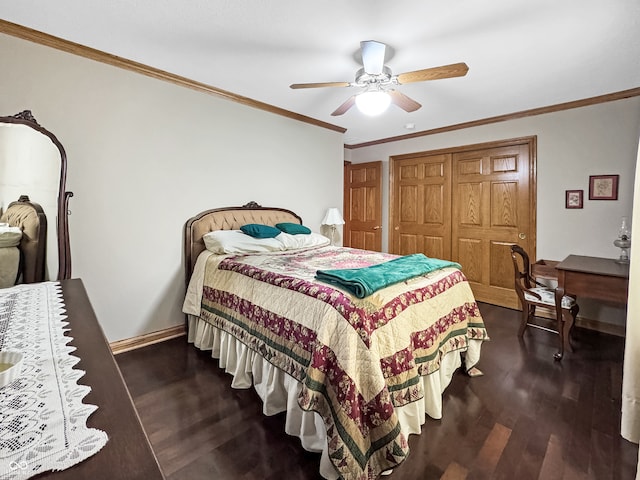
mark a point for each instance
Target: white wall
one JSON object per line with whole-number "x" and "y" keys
{"x": 573, "y": 144}
{"x": 144, "y": 156}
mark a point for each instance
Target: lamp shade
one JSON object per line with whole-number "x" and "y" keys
{"x": 333, "y": 217}
{"x": 373, "y": 102}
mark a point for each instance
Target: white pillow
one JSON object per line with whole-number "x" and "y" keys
{"x": 295, "y": 242}
{"x": 235, "y": 241}
{"x": 10, "y": 236}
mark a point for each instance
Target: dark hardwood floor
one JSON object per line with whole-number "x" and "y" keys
{"x": 528, "y": 417}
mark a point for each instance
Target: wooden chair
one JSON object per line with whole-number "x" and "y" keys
{"x": 534, "y": 294}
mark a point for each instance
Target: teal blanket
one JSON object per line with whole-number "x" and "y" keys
{"x": 365, "y": 281}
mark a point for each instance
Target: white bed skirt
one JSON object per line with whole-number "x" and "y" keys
{"x": 279, "y": 391}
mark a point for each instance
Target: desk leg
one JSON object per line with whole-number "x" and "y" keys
{"x": 560, "y": 322}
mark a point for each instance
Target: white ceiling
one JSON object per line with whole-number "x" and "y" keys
{"x": 521, "y": 54}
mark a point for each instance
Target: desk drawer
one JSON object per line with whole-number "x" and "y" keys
{"x": 599, "y": 287}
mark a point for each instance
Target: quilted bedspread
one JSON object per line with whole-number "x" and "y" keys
{"x": 356, "y": 358}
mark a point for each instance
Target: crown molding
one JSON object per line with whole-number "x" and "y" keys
{"x": 610, "y": 97}
{"x": 45, "y": 39}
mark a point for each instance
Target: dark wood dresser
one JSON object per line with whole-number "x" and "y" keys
{"x": 128, "y": 454}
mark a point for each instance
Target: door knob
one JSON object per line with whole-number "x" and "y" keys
{"x": 377, "y": 227}
{"x": 397, "y": 228}
{"x": 522, "y": 236}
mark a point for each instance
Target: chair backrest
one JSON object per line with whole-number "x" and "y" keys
{"x": 522, "y": 270}
{"x": 31, "y": 219}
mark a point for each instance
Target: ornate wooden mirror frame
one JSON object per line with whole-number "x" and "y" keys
{"x": 62, "y": 227}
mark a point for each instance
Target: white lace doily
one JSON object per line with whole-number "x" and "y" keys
{"x": 43, "y": 422}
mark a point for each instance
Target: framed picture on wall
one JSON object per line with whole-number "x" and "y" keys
{"x": 603, "y": 187}
{"x": 573, "y": 199}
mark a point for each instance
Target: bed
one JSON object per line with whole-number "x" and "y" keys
{"x": 355, "y": 376}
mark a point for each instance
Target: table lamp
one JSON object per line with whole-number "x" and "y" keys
{"x": 623, "y": 242}
{"x": 333, "y": 218}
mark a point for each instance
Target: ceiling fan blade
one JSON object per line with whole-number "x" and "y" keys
{"x": 373, "y": 56}
{"x": 318, "y": 85}
{"x": 404, "y": 102}
{"x": 351, "y": 101}
{"x": 435, "y": 73}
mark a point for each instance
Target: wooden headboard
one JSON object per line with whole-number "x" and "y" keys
{"x": 30, "y": 218}
{"x": 228, "y": 218}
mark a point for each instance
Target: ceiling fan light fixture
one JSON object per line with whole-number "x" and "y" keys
{"x": 373, "y": 102}
{"x": 378, "y": 82}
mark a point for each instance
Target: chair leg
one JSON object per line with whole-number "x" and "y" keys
{"x": 568, "y": 320}
{"x": 560, "y": 325}
{"x": 562, "y": 337}
{"x": 526, "y": 314}
{"x": 566, "y": 323}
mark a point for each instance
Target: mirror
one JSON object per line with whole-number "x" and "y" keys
{"x": 33, "y": 163}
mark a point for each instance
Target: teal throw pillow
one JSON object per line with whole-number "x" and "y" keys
{"x": 293, "y": 228}
{"x": 257, "y": 230}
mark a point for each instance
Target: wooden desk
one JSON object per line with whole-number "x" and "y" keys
{"x": 593, "y": 277}
{"x": 127, "y": 454}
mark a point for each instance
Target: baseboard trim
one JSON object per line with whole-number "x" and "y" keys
{"x": 134, "y": 343}
{"x": 128, "y": 344}
{"x": 617, "y": 330}
{"x": 590, "y": 324}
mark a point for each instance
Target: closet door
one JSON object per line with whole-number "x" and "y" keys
{"x": 492, "y": 210}
{"x": 421, "y": 205}
{"x": 468, "y": 204}
{"x": 363, "y": 205}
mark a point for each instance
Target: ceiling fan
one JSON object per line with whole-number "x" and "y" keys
{"x": 378, "y": 83}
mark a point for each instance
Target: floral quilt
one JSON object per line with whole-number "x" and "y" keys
{"x": 356, "y": 358}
